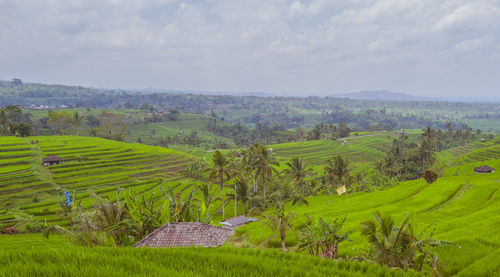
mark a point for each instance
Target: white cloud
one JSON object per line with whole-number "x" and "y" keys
{"x": 284, "y": 45}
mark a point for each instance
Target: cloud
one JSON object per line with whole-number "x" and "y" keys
{"x": 470, "y": 16}
{"x": 235, "y": 45}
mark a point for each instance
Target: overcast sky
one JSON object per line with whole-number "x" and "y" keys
{"x": 320, "y": 47}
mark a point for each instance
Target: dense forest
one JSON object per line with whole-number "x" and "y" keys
{"x": 287, "y": 112}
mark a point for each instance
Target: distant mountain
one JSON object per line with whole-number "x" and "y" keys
{"x": 383, "y": 95}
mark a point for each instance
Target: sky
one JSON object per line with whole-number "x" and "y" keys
{"x": 315, "y": 47}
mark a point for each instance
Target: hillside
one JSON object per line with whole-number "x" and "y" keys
{"x": 89, "y": 163}
{"x": 289, "y": 111}
{"x": 361, "y": 150}
{"x": 382, "y": 95}
{"x": 464, "y": 209}
{"x": 29, "y": 255}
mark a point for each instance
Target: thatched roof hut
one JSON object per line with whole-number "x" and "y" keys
{"x": 185, "y": 234}
{"x": 484, "y": 169}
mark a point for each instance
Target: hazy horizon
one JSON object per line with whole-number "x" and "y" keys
{"x": 296, "y": 48}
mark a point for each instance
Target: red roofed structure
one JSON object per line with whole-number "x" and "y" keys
{"x": 185, "y": 234}
{"x": 51, "y": 160}
{"x": 484, "y": 169}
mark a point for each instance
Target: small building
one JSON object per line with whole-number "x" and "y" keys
{"x": 237, "y": 221}
{"x": 484, "y": 169}
{"x": 51, "y": 160}
{"x": 185, "y": 234}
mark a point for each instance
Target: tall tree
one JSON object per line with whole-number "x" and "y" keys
{"x": 220, "y": 170}
{"x": 337, "y": 170}
{"x": 298, "y": 169}
{"x": 427, "y": 147}
{"x": 264, "y": 163}
{"x": 280, "y": 220}
{"x": 77, "y": 121}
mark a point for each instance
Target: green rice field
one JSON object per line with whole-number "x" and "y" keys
{"x": 88, "y": 164}
{"x": 465, "y": 209}
{"x": 31, "y": 255}
{"x": 464, "y": 206}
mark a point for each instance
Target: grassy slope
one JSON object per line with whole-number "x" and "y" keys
{"x": 89, "y": 164}
{"x": 362, "y": 150}
{"x": 30, "y": 255}
{"x": 138, "y": 128}
{"x": 464, "y": 207}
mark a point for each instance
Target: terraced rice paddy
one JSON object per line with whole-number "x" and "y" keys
{"x": 465, "y": 208}
{"x": 89, "y": 164}
{"x": 479, "y": 151}
{"x": 360, "y": 150}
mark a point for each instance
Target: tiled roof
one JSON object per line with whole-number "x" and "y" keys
{"x": 185, "y": 234}
{"x": 483, "y": 168}
{"x": 238, "y": 221}
{"x": 52, "y": 159}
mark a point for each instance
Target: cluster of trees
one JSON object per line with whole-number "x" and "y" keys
{"x": 15, "y": 122}
{"x": 408, "y": 159}
{"x": 155, "y": 116}
{"x": 328, "y": 131}
{"x": 287, "y": 111}
{"x": 62, "y": 122}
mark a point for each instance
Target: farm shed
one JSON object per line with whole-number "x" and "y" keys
{"x": 237, "y": 221}
{"x": 51, "y": 160}
{"x": 484, "y": 169}
{"x": 185, "y": 234}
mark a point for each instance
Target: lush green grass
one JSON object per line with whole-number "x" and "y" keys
{"x": 89, "y": 164}
{"x": 361, "y": 150}
{"x": 30, "y": 255}
{"x": 464, "y": 207}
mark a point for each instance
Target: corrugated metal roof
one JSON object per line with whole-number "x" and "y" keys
{"x": 185, "y": 234}
{"x": 238, "y": 221}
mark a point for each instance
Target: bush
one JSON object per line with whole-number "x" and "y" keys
{"x": 430, "y": 176}
{"x": 8, "y": 230}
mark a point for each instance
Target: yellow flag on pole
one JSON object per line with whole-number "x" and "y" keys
{"x": 341, "y": 190}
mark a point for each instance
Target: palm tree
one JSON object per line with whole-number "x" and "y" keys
{"x": 220, "y": 170}
{"x": 264, "y": 163}
{"x": 298, "y": 169}
{"x": 241, "y": 192}
{"x": 337, "y": 170}
{"x": 281, "y": 221}
{"x": 111, "y": 217}
{"x": 77, "y": 121}
{"x": 399, "y": 246}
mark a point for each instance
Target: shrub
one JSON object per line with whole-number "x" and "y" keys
{"x": 430, "y": 176}
{"x": 8, "y": 230}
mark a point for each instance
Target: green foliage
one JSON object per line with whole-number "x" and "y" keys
{"x": 322, "y": 238}
{"x": 430, "y": 176}
{"x": 399, "y": 246}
